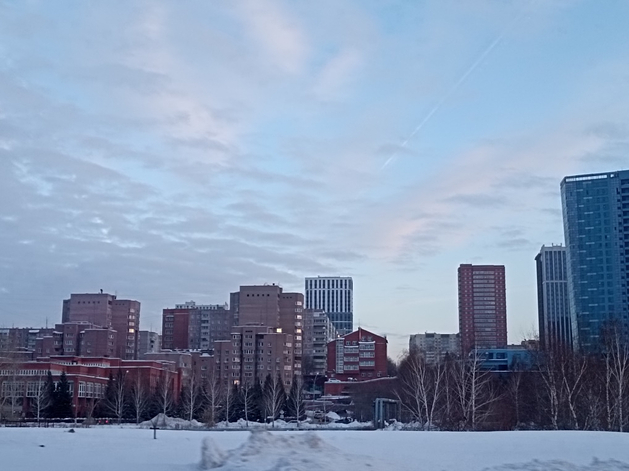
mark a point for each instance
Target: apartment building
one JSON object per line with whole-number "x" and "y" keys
{"x": 358, "y": 356}
{"x": 252, "y": 353}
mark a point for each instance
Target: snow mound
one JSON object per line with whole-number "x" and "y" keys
{"x": 164, "y": 422}
{"x": 264, "y": 451}
{"x": 535, "y": 465}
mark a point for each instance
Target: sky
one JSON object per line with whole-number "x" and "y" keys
{"x": 170, "y": 151}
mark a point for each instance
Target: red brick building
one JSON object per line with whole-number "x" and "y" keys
{"x": 358, "y": 356}
{"x": 105, "y": 311}
{"x": 482, "y": 307}
{"x": 87, "y": 377}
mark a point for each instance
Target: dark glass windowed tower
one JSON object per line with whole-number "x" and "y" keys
{"x": 596, "y": 229}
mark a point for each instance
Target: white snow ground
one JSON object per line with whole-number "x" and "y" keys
{"x": 126, "y": 449}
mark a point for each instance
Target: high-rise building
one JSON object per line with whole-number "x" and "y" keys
{"x": 482, "y": 307}
{"x": 596, "y": 228}
{"x": 93, "y": 308}
{"x": 252, "y": 353}
{"x": 553, "y": 308}
{"x": 335, "y": 296}
{"x": 192, "y": 326}
{"x": 434, "y": 347}
{"x": 106, "y": 311}
{"x": 318, "y": 332}
{"x": 257, "y": 304}
{"x": 269, "y": 306}
{"x": 125, "y": 319}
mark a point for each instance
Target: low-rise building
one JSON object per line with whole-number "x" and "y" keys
{"x": 358, "y": 356}
{"x": 87, "y": 378}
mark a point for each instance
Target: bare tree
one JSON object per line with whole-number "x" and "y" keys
{"x": 473, "y": 390}
{"x": 11, "y": 390}
{"x": 248, "y": 399}
{"x": 274, "y": 396}
{"x": 211, "y": 391}
{"x": 41, "y": 397}
{"x": 164, "y": 391}
{"x": 617, "y": 355}
{"x": 139, "y": 397}
{"x": 296, "y": 398}
{"x": 228, "y": 397}
{"x": 551, "y": 380}
{"x": 572, "y": 369}
{"x": 116, "y": 395}
{"x": 422, "y": 387}
{"x": 191, "y": 397}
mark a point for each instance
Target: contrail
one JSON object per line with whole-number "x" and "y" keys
{"x": 454, "y": 88}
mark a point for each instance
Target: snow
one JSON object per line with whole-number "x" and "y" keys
{"x": 104, "y": 448}
{"x": 171, "y": 423}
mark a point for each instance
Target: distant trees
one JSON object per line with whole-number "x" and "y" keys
{"x": 561, "y": 389}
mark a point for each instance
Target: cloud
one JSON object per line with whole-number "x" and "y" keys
{"x": 277, "y": 32}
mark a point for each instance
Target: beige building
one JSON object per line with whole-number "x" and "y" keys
{"x": 434, "y": 346}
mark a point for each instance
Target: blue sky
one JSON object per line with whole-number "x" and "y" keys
{"x": 171, "y": 151}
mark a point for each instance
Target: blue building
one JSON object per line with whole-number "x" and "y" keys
{"x": 553, "y": 307}
{"x": 511, "y": 358}
{"x": 596, "y": 229}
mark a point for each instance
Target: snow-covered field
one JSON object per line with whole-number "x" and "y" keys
{"x": 122, "y": 449}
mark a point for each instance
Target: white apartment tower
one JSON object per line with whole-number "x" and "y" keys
{"x": 335, "y": 296}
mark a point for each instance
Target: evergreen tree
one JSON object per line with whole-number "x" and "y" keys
{"x": 62, "y": 398}
{"x": 257, "y": 409}
{"x": 101, "y": 409}
{"x": 49, "y": 391}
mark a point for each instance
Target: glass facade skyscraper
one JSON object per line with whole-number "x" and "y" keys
{"x": 596, "y": 228}
{"x": 555, "y": 324}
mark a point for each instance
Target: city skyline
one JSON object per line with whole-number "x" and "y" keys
{"x": 167, "y": 153}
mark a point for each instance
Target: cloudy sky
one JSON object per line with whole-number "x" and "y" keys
{"x": 169, "y": 151}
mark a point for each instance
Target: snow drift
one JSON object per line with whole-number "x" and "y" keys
{"x": 264, "y": 451}
{"x": 596, "y": 465}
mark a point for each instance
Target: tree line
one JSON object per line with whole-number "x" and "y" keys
{"x": 131, "y": 398}
{"x": 563, "y": 389}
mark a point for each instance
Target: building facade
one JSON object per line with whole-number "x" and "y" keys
{"x": 596, "y": 230}
{"x": 482, "y": 306}
{"x": 318, "y": 332}
{"x": 553, "y": 307}
{"x": 257, "y": 304}
{"x": 191, "y": 326}
{"x": 357, "y": 356}
{"x": 252, "y": 353}
{"x": 434, "y": 347}
{"x": 150, "y": 342}
{"x": 125, "y": 320}
{"x": 87, "y": 378}
{"x": 335, "y": 296}
{"x": 102, "y": 310}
